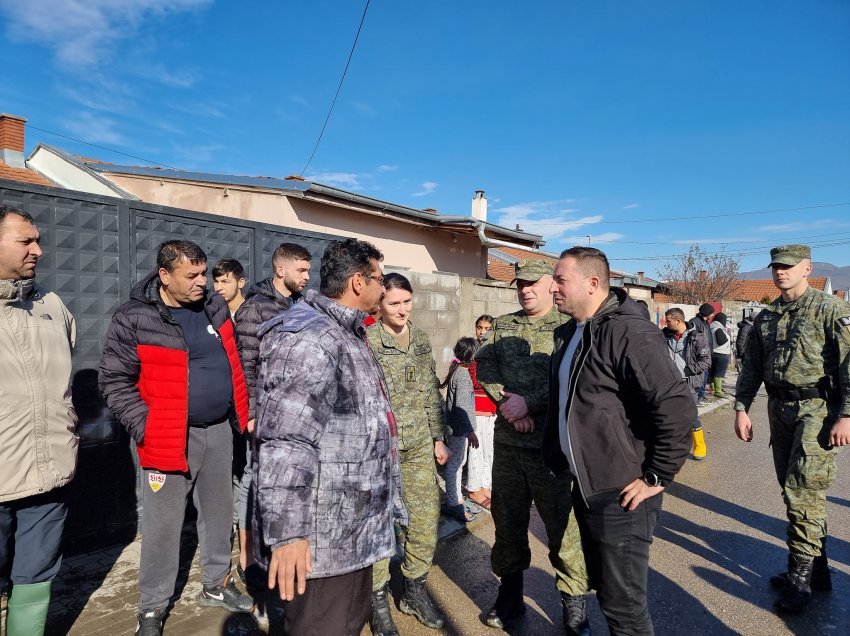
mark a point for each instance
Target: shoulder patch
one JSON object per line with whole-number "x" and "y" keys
{"x": 845, "y": 321}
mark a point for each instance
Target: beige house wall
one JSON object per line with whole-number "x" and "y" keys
{"x": 404, "y": 244}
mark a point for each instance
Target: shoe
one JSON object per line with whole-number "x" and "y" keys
{"x": 821, "y": 576}
{"x": 699, "y": 450}
{"x": 416, "y": 602}
{"x": 797, "y": 593}
{"x": 226, "y": 596}
{"x": 150, "y": 623}
{"x": 575, "y": 615}
{"x": 382, "y": 623}
{"x": 253, "y": 577}
{"x": 509, "y": 602}
{"x": 457, "y": 512}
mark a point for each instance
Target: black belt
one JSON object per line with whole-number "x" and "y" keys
{"x": 795, "y": 395}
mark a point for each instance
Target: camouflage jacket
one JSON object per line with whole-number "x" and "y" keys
{"x": 797, "y": 345}
{"x": 414, "y": 388}
{"x": 326, "y": 464}
{"x": 515, "y": 358}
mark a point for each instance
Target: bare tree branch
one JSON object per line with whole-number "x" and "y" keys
{"x": 697, "y": 277}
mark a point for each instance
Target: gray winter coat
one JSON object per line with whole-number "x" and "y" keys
{"x": 327, "y": 462}
{"x": 693, "y": 350}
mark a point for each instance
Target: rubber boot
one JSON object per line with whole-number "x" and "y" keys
{"x": 509, "y": 602}
{"x": 27, "y": 609}
{"x": 821, "y": 576}
{"x": 718, "y": 388}
{"x": 382, "y": 622}
{"x": 699, "y": 449}
{"x": 797, "y": 593}
{"x": 416, "y": 602}
{"x": 575, "y": 615}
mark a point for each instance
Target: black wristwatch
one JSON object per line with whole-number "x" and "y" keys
{"x": 653, "y": 480}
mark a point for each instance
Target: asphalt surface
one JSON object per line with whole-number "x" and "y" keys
{"x": 719, "y": 539}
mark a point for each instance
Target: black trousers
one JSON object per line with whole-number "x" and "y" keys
{"x": 616, "y": 548}
{"x": 333, "y": 606}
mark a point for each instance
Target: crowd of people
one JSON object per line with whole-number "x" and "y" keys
{"x": 312, "y": 421}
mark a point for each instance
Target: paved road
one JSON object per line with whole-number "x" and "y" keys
{"x": 719, "y": 539}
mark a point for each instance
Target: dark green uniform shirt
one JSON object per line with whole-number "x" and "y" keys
{"x": 796, "y": 345}
{"x": 515, "y": 358}
{"x": 413, "y": 385}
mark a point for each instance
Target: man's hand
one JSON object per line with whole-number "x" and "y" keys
{"x": 514, "y": 407}
{"x": 472, "y": 438}
{"x": 441, "y": 452}
{"x": 250, "y": 426}
{"x": 743, "y": 426}
{"x": 840, "y": 433}
{"x": 289, "y": 564}
{"x": 524, "y": 424}
{"x": 633, "y": 494}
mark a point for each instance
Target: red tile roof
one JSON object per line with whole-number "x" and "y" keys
{"x": 498, "y": 269}
{"x": 758, "y": 290}
{"x": 23, "y": 174}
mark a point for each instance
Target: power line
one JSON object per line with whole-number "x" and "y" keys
{"x": 689, "y": 218}
{"x": 751, "y": 242}
{"x": 338, "y": 89}
{"x": 87, "y": 143}
{"x": 741, "y": 253}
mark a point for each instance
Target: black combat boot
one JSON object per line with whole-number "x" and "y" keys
{"x": 575, "y": 615}
{"x": 797, "y": 593}
{"x": 382, "y": 622}
{"x": 416, "y": 602}
{"x": 821, "y": 577}
{"x": 509, "y": 602}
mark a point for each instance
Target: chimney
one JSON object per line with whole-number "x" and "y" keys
{"x": 479, "y": 206}
{"x": 703, "y": 275}
{"x": 12, "y": 140}
{"x": 640, "y": 275}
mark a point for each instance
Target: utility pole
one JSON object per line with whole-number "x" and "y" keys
{"x": 588, "y": 240}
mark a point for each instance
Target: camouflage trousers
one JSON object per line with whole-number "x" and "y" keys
{"x": 520, "y": 478}
{"x": 805, "y": 467}
{"x": 422, "y": 499}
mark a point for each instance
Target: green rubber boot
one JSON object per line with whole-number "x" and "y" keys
{"x": 718, "y": 387}
{"x": 27, "y": 610}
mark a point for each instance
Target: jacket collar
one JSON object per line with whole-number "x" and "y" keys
{"x": 13, "y": 291}
{"x": 348, "y": 318}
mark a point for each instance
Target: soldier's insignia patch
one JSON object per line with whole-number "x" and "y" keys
{"x": 156, "y": 481}
{"x": 410, "y": 374}
{"x": 845, "y": 321}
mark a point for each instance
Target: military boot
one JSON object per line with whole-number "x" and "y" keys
{"x": 509, "y": 603}
{"x": 821, "y": 576}
{"x": 416, "y": 602}
{"x": 575, "y": 615}
{"x": 797, "y": 593}
{"x": 382, "y": 622}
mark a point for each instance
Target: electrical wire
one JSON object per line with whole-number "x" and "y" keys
{"x": 338, "y": 89}
{"x": 118, "y": 152}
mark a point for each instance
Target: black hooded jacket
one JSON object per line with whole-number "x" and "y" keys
{"x": 262, "y": 303}
{"x": 628, "y": 409}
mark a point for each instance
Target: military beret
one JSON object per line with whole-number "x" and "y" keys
{"x": 532, "y": 269}
{"x": 789, "y": 254}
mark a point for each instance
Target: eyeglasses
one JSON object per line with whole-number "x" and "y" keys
{"x": 380, "y": 279}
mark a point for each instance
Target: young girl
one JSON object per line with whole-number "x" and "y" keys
{"x": 479, "y": 465}
{"x": 460, "y": 417}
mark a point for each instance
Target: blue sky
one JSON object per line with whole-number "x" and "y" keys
{"x": 576, "y": 117}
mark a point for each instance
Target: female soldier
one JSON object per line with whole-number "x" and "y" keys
{"x": 404, "y": 353}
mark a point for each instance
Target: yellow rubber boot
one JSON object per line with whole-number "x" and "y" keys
{"x": 699, "y": 450}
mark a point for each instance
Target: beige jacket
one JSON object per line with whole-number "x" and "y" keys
{"x": 38, "y": 440}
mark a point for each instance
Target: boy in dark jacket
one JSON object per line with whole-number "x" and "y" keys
{"x": 618, "y": 419}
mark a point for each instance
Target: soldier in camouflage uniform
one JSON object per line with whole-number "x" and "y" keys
{"x": 513, "y": 367}
{"x": 799, "y": 348}
{"x": 404, "y": 353}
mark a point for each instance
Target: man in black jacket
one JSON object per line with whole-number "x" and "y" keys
{"x": 619, "y": 420}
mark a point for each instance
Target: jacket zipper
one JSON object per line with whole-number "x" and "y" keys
{"x": 571, "y": 392}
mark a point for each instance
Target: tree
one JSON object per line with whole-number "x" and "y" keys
{"x": 697, "y": 276}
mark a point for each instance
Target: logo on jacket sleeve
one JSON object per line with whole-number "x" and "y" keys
{"x": 156, "y": 481}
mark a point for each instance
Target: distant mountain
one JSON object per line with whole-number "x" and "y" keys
{"x": 840, "y": 276}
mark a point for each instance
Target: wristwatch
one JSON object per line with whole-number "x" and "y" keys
{"x": 441, "y": 438}
{"x": 653, "y": 480}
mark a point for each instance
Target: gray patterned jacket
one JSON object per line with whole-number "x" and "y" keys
{"x": 327, "y": 462}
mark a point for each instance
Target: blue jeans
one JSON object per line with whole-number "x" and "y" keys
{"x": 616, "y": 547}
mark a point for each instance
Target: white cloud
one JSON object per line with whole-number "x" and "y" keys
{"x": 551, "y": 219}
{"x": 630, "y": 206}
{"x": 385, "y": 167}
{"x": 595, "y": 239}
{"x": 84, "y": 32}
{"x": 300, "y": 100}
{"x": 716, "y": 241}
{"x": 95, "y": 129}
{"x": 337, "y": 179}
{"x": 427, "y": 188}
{"x": 197, "y": 155}
{"x": 800, "y": 226}
{"x": 364, "y": 108}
